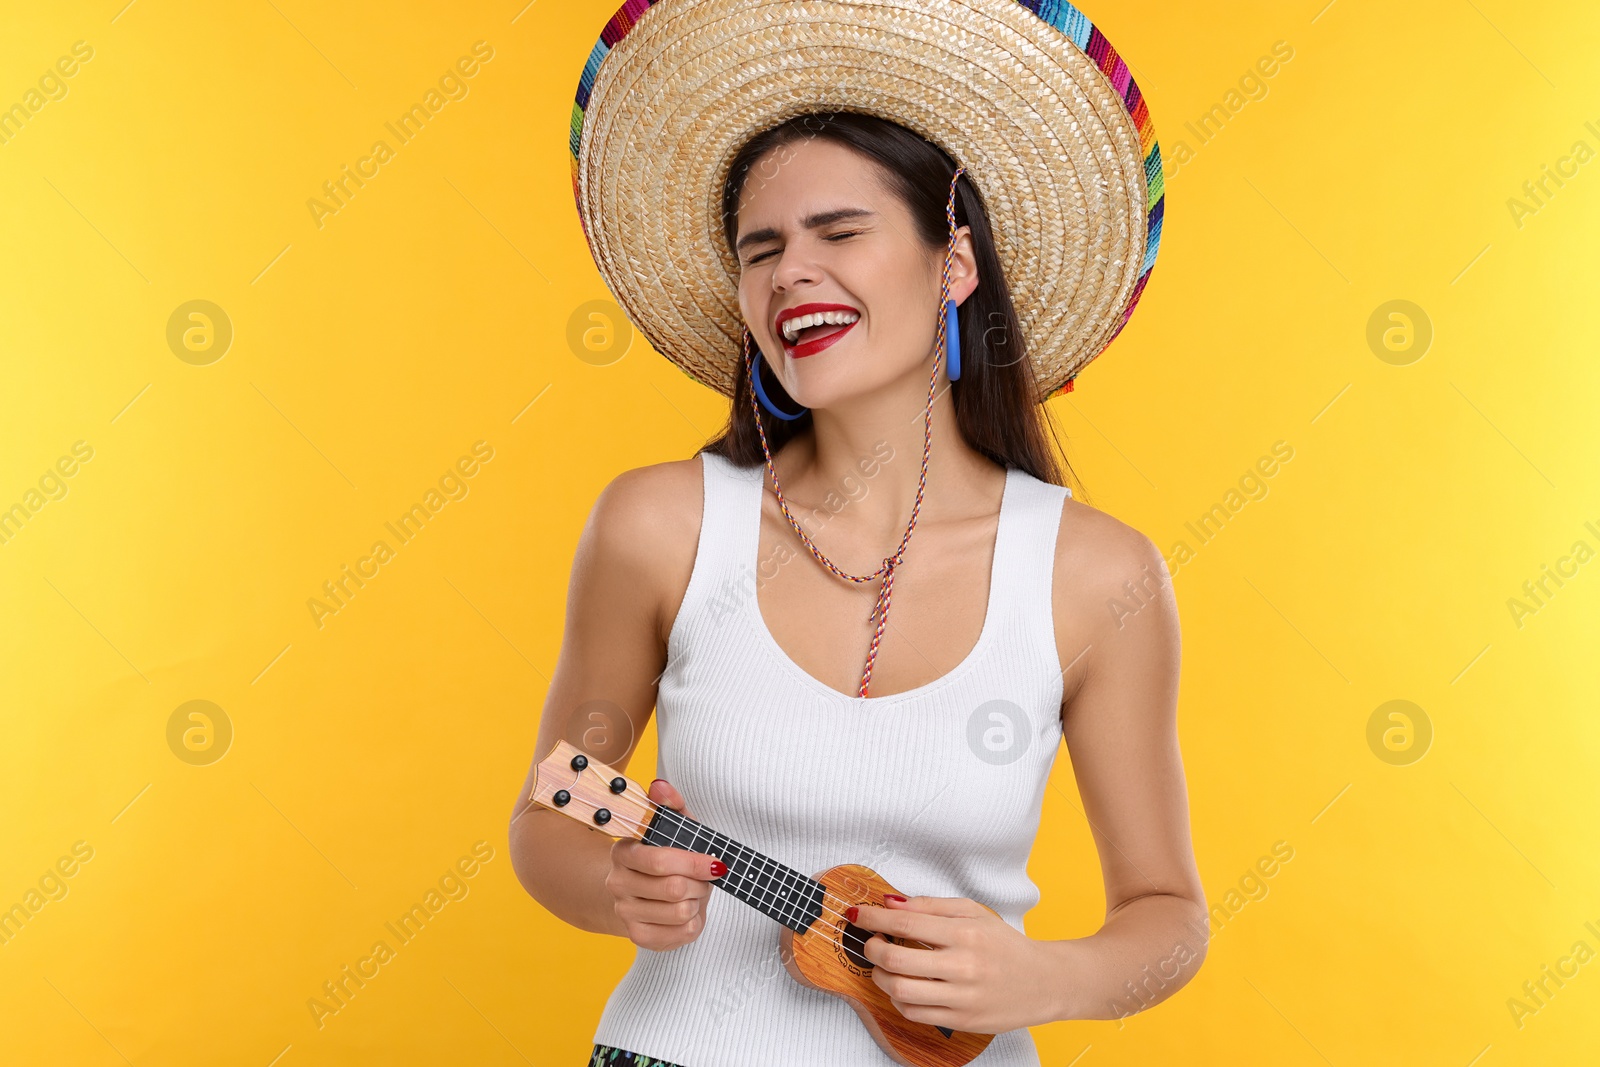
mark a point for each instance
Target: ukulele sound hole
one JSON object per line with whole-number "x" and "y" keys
{"x": 852, "y": 937}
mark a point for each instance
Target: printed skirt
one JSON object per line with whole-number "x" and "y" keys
{"x": 610, "y": 1056}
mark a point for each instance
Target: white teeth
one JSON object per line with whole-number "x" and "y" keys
{"x": 792, "y": 328}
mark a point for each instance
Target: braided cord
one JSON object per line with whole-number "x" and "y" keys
{"x": 880, "y": 610}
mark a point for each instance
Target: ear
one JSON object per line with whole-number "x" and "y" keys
{"x": 963, "y": 267}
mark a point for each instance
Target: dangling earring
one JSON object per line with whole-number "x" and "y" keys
{"x": 761, "y": 393}
{"x": 952, "y": 341}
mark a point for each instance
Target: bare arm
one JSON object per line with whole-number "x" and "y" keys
{"x": 639, "y": 534}
{"x": 1120, "y": 726}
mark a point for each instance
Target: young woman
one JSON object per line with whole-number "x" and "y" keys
{"x": 868, "y": 611}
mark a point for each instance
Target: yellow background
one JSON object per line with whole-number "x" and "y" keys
{"x": 432, "y": 311}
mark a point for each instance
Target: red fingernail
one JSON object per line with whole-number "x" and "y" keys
{"x": 893, "y": 896}
{"x": 718, "y": 868}
{"x": 851, "y": 912}
{"x": 662, "y": 780}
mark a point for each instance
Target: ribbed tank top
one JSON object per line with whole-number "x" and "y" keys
{"x": 938, "y": 788}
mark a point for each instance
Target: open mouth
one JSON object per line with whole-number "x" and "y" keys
{"x": 814, "y": 339}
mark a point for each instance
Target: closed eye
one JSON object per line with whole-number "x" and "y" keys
{"x": 831, "y": 237}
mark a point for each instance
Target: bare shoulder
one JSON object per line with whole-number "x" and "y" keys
{"x": 1107, "y": 575}
{"x": 646, "y": 523}
{"x": 1094, "y": 547}
{"x": 659, "y": 496}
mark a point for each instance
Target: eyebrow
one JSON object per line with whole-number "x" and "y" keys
{"x": 810, "y": 222}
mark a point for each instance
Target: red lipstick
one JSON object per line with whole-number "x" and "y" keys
{"x": 811, "y": 348}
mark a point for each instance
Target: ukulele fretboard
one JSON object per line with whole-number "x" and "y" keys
{"x": 765, "y": 884}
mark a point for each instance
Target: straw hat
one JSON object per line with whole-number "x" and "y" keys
{"x": 1035, "y": 104}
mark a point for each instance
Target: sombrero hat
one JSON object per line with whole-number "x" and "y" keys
{"x": 1027, "y": 95}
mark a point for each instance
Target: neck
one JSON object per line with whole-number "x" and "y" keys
{"x": 865, "y": 457}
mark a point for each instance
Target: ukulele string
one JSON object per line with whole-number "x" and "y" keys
{"x": 641, "y": 829}
{"x": 825, "y": 893}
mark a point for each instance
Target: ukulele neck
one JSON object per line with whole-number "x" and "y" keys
{"x": 780, "y": 892}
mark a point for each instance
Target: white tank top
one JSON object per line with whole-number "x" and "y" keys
{"x": 938, "y": 788}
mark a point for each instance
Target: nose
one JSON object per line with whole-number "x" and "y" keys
{"x": 795, "y": 268}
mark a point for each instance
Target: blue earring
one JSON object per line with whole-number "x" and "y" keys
{"x": 761, "y": 394}
{"x": 952, "y": 341}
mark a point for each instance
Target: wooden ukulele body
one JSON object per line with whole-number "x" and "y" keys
{"x": 828, "y": 958}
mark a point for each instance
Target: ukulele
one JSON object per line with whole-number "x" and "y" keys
{"x": 819, "y": 947}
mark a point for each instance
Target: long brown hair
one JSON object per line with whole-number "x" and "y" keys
{"x": 996, "y": 406}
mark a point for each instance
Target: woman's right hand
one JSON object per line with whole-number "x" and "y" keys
{"x": 660, "y": 893}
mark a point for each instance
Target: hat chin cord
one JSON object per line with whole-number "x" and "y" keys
{"x": 946, "y": 339}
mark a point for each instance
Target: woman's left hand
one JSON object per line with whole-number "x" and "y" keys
{"x": 979, "y": 974}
